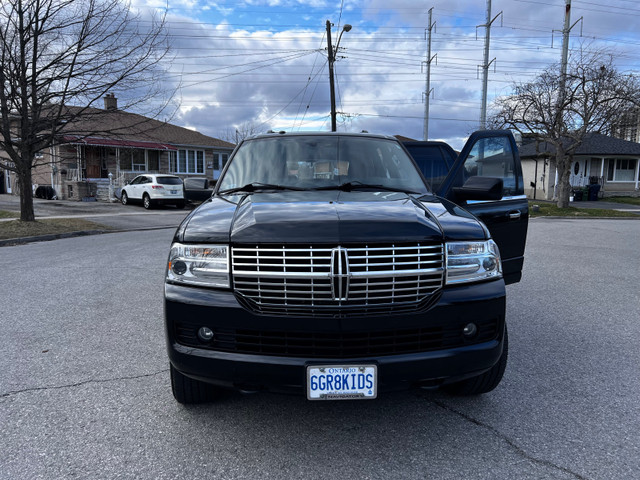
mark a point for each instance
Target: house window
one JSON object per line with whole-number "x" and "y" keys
{"x": 625, "y": 170}
{"x": 125, "y": 161}
{"x": 153, "y": 159}
{"x": 189, "y": 161}
{"x": 219, "y": 160}
{"x": 138, "y": 163}
{"x": 139, "y": 160}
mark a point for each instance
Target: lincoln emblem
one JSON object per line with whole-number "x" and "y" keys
{"x": 339, "y": 274}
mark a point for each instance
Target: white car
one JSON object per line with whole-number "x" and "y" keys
{"x": 152, "y": 189}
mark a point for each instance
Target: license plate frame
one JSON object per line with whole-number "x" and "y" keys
{"x": 361, "y": 382}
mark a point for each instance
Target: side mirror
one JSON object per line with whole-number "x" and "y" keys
{"x": 480, "y": 188}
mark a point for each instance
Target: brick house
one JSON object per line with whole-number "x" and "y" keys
{"x": 81, "y": 166}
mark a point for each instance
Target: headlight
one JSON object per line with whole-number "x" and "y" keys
{"x": 472, "y": 261}
{"x": 205, "y": 265}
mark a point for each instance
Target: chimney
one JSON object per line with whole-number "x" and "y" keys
{"x": 110, "y": 102}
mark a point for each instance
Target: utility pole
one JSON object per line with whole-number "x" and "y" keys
{"x": 565, "y": 43}
{"x": 427, "y": 94}
{"x": 565, "y": 53}
{"x": 486, "y": 64}
{"x": 332, "y": 58}
{"x": 331, "y": 84}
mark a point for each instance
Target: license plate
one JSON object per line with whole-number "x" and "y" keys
{"x": 174, "y": 192}
{"x": 342, "y": 382}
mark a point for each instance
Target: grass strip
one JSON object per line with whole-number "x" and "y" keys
{"x": 627, "y": 200}
{"x": 6, "y": 214}
{"x": 552, "y": 210}
{"x": 19, "y": 229}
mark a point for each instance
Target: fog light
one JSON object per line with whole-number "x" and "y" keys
{"x": 470, "y": 330}
{"x": 205, "y": 334}
{"x": 179, "y": 267}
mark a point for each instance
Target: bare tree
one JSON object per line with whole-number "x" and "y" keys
{"x": 58, "y": 59}
{"x": 237, "y": 133}
{"x": 595, "y": 94}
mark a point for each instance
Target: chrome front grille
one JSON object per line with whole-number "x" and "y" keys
{"x": 306, "y": 280}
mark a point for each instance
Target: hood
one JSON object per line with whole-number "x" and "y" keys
{"x": 325, "y": 217}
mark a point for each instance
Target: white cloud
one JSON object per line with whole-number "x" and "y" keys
{"x": 264, "y": 62}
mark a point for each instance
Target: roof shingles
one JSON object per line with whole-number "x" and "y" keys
{"x": 593, "y": 144}
{"x": 123, "y": 125}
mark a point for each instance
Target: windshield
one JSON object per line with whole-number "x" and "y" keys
{"x": 310, "y": 162}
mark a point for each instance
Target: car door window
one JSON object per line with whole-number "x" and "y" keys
{"x": 494, "y": 157}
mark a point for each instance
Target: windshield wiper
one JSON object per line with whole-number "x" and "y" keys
{"x": 255, "y": 186}
{"x": 350, "y": 186}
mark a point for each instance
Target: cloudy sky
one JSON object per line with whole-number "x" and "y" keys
{"x": 262, "y": 64}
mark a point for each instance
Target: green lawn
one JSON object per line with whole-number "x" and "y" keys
{"x": 629, "y": 200}
{"x": 17, "y": 228}
{"x": 5, "y": 214}
{"x": 552, "y": 210}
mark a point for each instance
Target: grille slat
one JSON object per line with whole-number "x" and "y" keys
{"x": 302, "y": 280}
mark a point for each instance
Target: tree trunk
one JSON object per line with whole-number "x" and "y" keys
{"x": 26, "y": 196}
{"x": 563, "y": 165}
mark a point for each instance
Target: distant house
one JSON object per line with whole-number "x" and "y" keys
{"x": 80, "y": 166}
{"x": 612, "y": 163}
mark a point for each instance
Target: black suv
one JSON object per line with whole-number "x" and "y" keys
{"x": 323, "y": 265}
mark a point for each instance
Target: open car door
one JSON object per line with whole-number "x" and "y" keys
{"x": 486, "y": 180}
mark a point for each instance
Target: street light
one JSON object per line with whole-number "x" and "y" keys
{"x": 332, "y": 59}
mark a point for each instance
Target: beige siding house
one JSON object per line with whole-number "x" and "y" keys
{"x": 611, "y": 163}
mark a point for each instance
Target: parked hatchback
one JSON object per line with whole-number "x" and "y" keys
{"x": 152, "y": 190}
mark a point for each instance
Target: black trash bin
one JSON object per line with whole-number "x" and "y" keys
{"x": 593, "y": 192}
{"x": 577, "y": 195}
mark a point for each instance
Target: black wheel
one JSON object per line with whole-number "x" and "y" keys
{"x": 485, "y": 382}
{"x": 187, "y": 390}
{"x": 180, "y": 204}
{"x": 124, "y": 198}
{"x": 146, "y": 201}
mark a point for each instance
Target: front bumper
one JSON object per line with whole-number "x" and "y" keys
{"x": 283, "y": 369}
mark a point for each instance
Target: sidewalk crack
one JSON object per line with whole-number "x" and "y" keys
{"x": 519, "y": 450}
{"x": 79, "y": 384}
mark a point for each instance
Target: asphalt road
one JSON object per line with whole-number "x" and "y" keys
{"x": 114, "y": 215}
{"x": 84, "y": 386}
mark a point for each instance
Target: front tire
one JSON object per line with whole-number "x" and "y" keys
{"x": 486, "y": 381}
{"x": 146, "y": 201}
{"x": 186, "y": 390}
{"x": 124, "y": 198}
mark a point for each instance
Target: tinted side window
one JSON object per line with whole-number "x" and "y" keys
{"x": 169, "y": 180}
{"x": 493, "y": 157}
{"x": 431, "y": 162}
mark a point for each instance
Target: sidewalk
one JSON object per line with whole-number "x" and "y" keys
{"x": 49, "y": 208}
